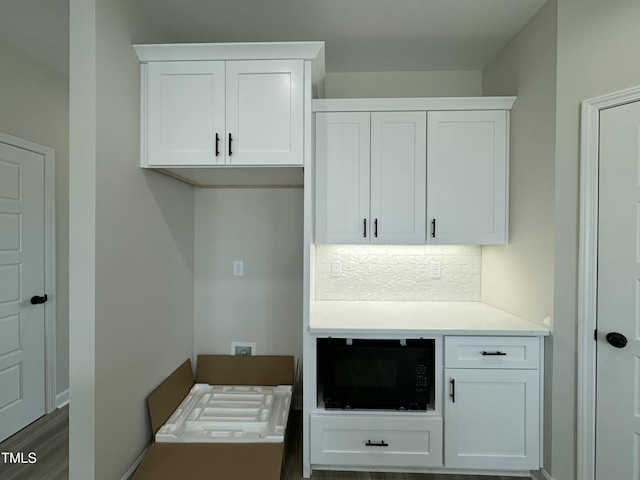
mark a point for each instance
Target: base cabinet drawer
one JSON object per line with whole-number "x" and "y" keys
{"x": 492, "y": 352}
{"x": 376, "y": 440}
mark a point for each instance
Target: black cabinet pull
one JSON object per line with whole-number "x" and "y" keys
{"x": 453, "y": 390}
{"x": 365, "y": 228}
{"x": 494, "y": 354}
{"x": 381, "y": 443}
{"x": 433, "y": 228}
{"x": 230, "y": 140}
{"x": 375, "y": 224}
{"x": 217, "y": 145}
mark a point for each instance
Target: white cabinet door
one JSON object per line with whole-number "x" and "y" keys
{"x": 185, "y": 113}
{"x": 265, "y": 112}
{"x": 492, "y": 419}
{"x": 398, "y": 177}
{"x": 467, "y": 158}
{"x": 342, "y": 177}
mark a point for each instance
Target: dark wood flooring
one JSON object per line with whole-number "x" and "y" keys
{"x": 48, "y": 437}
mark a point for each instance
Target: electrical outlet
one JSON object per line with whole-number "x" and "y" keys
{"x": 238, "y": 268}
{"x": 336, "y": 268}
{"x": 435, "y": 271}
{"x": 243, "y": 348}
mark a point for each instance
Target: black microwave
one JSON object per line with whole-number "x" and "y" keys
{"x": 376, "y": 374}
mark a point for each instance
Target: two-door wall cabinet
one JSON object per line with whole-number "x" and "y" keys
{"x": 412, "y": 171}
{"x": 227, "y": 105}
{"x": 370, "y": 177}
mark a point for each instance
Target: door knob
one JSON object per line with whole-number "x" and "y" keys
{"x": 617, "y": 339}
{"x": 36, "y": 300}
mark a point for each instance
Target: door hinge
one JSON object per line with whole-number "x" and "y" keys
{"x": 595, "y": 334}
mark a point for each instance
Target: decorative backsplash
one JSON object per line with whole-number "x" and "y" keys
{"x": 398, "y": 272}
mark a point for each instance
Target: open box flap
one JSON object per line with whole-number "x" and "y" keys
{"x": 267, "y": 370}
{"x": 167, "y": 396}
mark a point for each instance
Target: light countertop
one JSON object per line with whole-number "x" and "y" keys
{"x": 417, "y": 318}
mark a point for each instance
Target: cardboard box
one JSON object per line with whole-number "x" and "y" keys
{"x": 214, "y": 461}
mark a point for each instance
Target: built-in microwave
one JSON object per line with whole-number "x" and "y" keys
{"x": 376, "y": 374}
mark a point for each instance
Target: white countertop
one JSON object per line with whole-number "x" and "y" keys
{"x": 416, "y": 318}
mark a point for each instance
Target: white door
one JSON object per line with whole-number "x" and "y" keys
{"x": 398, "y": 177}
{"x": 265, "y": 112}
{"x": 342, "y": 177}
{"x": 22, "y": 382}
{"x": 618, "y": 302}
{"x": 467, "y": 173}
{"x": 186, "y": 113}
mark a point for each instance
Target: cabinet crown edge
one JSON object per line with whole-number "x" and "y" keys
{"x": 169, "y": 52}
{"x": 408, "y": 104}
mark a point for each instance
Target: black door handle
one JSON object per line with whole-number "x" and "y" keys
{"x": 230, "y": 140}
{"x": 217, "y": 145}
{"x": 616, "y": 339}
{"x": 37, "y": 300}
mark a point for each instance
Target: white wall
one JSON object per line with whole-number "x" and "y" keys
{"x": 598, "y": 52}
{"x": 519, "y": 277}
{"x": 403, "y": 84}
{"x": 131, "y": 257}
{"x": 263, "y": 228}
{"x": 34, "y": 105}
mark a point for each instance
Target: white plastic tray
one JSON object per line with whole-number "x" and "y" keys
{"x": 212, "y": 413}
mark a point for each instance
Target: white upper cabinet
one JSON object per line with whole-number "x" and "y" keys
{"x": 342, "y": 177}
{"x": 370, "y": 177}
{"x": 229, "y": 105}
{"x": 398, "y": 177}
{"x": 458, "y": 196}
{"x": 225, "y": 113}
{"x": 264, "y": 112}
{"x": 467, "y": 194}
{"x": 186, "y": 113}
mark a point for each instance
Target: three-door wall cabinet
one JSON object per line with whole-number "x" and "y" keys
{"x": 412, "y": 171}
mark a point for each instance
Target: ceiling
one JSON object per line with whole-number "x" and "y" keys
{"x": 360, "y": 35}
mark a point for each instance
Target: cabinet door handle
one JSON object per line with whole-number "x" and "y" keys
{"x": 375, "y": 224}
{"x": 381, "y": 443}
{"x": 452, "y": 393}
{"x": 494, "y": 354}
{"x": 365, "y": 228}
{"x": 433, "y": 228}
{"x": 230, "y": 140}
{"x": 217, "y": 145}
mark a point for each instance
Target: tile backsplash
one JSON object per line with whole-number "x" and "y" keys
{"x": 398, "y": 272}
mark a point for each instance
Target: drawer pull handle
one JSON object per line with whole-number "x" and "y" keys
{"x": 494, "y": 354}
{"x": 381, "y": 443}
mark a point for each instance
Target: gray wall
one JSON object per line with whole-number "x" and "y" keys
{"x": 34, "y": 105}
{"x": 262, "y": 227}
{"x": 131, "y": 265}
{"x": 519, "y": 277}
{"x": 403, "y": 84}
{"x": 598, "y": 52}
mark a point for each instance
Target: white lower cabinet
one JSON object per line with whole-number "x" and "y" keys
{"x": 491, "y": 409}
{"x": 376, "y": 440}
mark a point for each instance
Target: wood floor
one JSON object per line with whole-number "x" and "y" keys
{"x": 49, "y": 439}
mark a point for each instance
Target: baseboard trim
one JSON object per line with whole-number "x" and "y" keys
{"x": 132, "y": 469}
{"x": 541, "y": 475}
{"x": 62, "y": 399}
